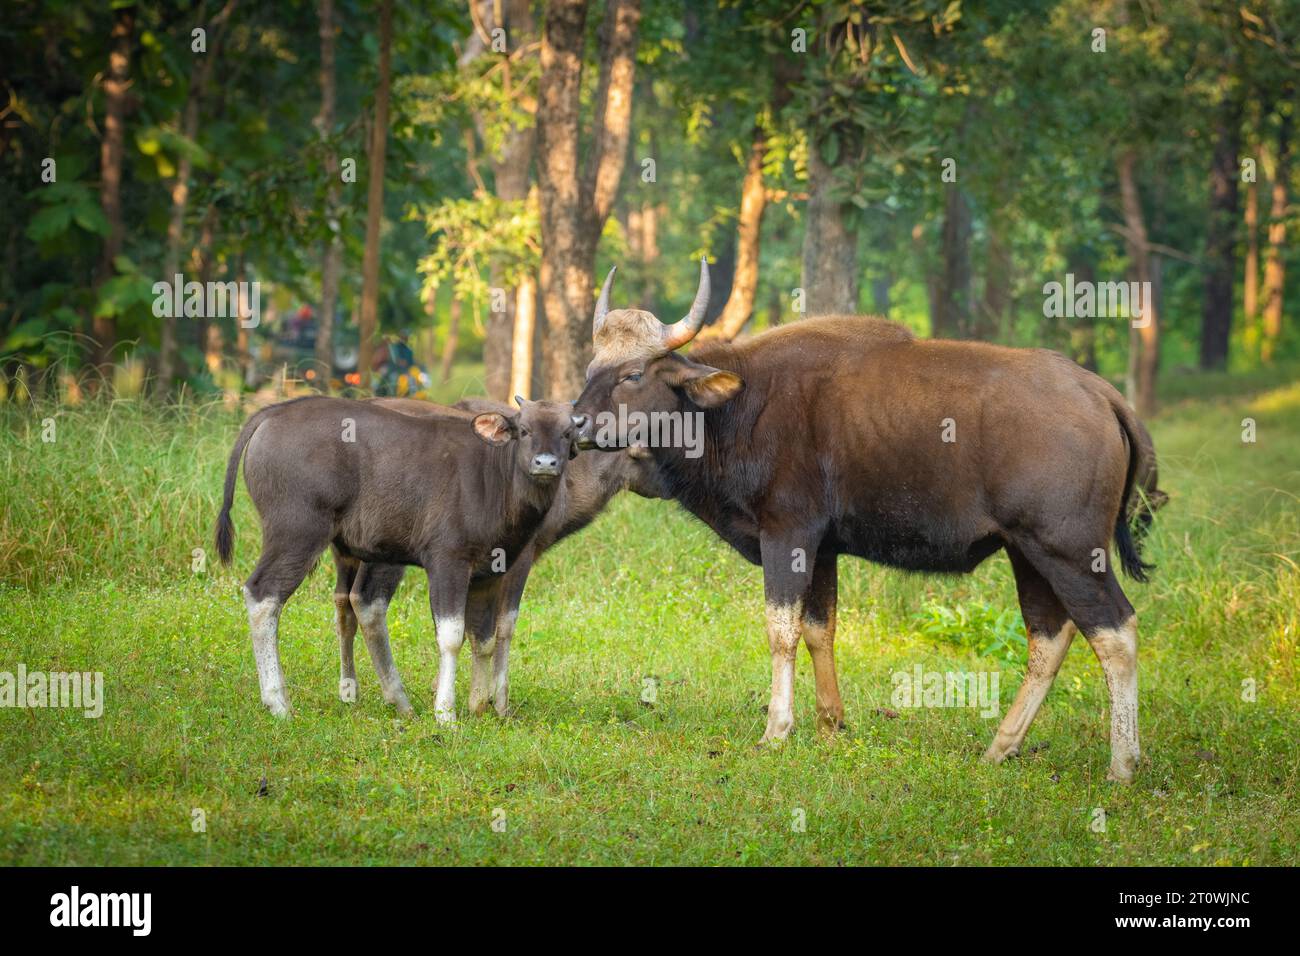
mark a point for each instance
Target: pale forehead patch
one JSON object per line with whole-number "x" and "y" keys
{"x": 627, "y": 334}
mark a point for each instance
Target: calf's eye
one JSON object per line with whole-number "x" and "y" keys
{"x": 634, "y": 377}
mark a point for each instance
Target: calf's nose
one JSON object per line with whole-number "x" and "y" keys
{"x": 545, "y": 464}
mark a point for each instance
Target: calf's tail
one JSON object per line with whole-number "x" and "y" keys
{"x": 225, "y": 527}
{"x": 1142, "y": 497}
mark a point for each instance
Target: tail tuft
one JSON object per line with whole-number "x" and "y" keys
{"x": 225, "y": 536}
{"x": 1130, "y": 557}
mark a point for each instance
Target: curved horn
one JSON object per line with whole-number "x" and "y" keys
{"x": 679, "y": 333}
{"x": 602, "y": 304}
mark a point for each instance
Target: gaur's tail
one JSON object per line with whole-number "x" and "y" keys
{"x": 226, "y": 527}
{"x": 1141, "y": 495}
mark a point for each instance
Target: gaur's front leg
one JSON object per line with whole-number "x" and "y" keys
{"x": 448, "y": 588}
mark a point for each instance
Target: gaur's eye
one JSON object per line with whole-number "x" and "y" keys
{"x": 632, "y": 377}
{"x": 523, "y": 432}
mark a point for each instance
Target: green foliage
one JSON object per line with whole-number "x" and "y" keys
{"x": 470, "y": 234}
{"x": 988, "y": 631}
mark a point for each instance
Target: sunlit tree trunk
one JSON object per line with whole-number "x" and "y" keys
{"x": 1275, "y": 264}
{"x": 510, "y": 171}
{"x": 1250, "y": 282}
{"x": 1144, "y": 336}
{"x": 116, "y": 83}
{"x": 521, "y": 352}
{"x": 375, "y": 198}
{"x": 744, "y": 283}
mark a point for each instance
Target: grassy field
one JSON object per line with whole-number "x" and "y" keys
{"x": 98, "y": 531}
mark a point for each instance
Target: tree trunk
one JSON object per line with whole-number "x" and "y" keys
{"x": 201, "y": 262}
{"x": 521, "y": 353}
{"x": 953, "y": 293}
{"x": 116, "y": 82}
{"x": 744, "y": 283}
{"x": 573, "y": 209}
{"x": 1250, "y": 284}
{"x": 375, "y": 197}
{"x": 1220, "y": 240}
{"x": 830, "y": 246}
{"x": 1275, "y": 265}
{"x": 331, "y": 260}
{"x": 200, "y": 75}
{"x": 243, "y": 343}
{"x": 997, "y": 284}
{"x": 1144, "y": 337}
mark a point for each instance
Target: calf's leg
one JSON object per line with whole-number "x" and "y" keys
{"x": 288, "y": 554}
{"x": 345, "y": 624}
{"x": 448, "y": 585}
{"x": 508, "y": 599}
{"x": 371, "y": 593}
{"x": 1050, "y": 632}
{"x": 480, "y": 624}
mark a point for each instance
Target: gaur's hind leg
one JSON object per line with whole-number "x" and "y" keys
{"x": 1097, "y": 604}
{"x": 371, "y": 593}
{"x": 1050, "y": 633}
{"x": 288, "y": 555}
{"x": 345, "y": 623}
{"x": 819, "y": 637}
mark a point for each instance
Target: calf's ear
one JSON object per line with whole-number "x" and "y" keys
{"x": 494, "y": 428}
{"x": 706, "y": 386}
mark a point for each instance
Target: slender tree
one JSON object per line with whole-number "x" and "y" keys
{"x": 369, "y": 319}
{"x": 116, "y": 83}
{"x": 1275, "y": 264}
{"x": 331, "y": 260}
{"x": 1221, "y": 239}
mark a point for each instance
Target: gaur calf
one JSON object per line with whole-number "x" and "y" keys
{"x": 847, "y": 435}
{"x": 460, "y": 496}
{"x": 589, "y": 482}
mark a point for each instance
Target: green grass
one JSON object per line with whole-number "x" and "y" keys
{"x": 97, "y": 533}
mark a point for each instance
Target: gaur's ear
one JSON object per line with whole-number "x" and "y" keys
{"x": 494, "y": 428}
{"x": 706, "y": 386}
